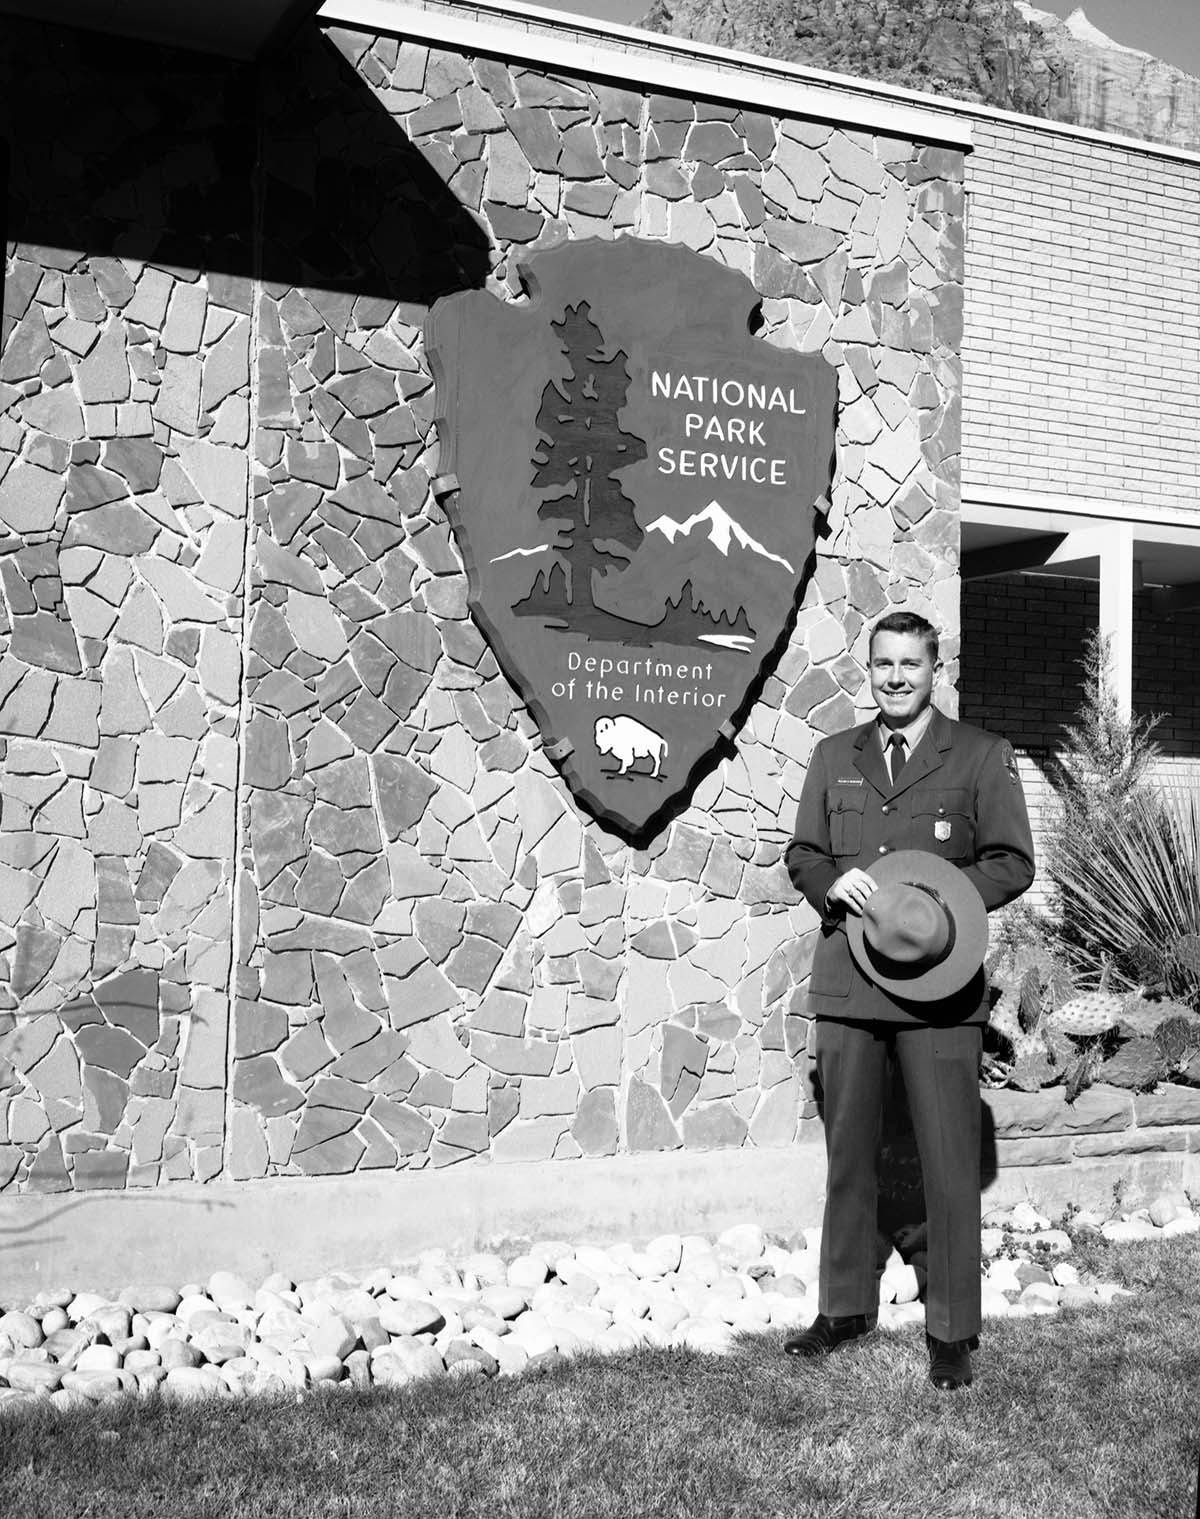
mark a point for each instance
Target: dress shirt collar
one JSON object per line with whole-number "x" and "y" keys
{"x": 913, "y": 734}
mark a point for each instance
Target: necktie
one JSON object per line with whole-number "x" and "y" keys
{"x": 896, "y": 756}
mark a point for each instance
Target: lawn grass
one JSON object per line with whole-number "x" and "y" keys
{"x": 1090, "y": 1415}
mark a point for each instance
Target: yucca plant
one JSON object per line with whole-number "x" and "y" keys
{"x": 1131, "y": 894}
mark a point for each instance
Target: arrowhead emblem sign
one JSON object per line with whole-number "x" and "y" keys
{"x": 634, "y": 481}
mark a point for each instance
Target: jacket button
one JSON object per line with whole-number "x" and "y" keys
{"x": 883, "y": 849}
{"x": 942, "y": 810}
{"x": 886, "y": 810}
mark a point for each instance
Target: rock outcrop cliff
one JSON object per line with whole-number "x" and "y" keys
{"x": 1003, "y": 53}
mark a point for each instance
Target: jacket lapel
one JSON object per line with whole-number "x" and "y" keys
{"x": 927, "y": 757}
{"x": 868, "y": 759}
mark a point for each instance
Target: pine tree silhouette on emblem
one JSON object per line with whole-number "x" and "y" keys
{"x": 581, "y": 448}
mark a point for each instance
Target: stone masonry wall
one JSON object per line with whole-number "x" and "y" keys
{"x": 124, "y": 422}
{"x": 434, "y": 958}
{"x": 1082, "y": 332}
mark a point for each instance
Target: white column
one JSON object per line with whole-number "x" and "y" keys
{"x": 1116, "y": 607}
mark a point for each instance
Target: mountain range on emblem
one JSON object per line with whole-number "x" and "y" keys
{"x": 682, "y": 592}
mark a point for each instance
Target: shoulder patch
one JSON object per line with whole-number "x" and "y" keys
{"x": 1009, "y": 760}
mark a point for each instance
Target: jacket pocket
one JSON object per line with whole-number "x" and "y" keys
{"x": 944, "y": 823}
{"x": 846, "y": 810}
{"x": 832, "y": 969}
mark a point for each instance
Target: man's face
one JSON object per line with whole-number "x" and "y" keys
{"x": 902, "y": 675}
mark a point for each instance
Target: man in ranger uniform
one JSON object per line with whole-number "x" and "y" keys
{"x": 909, "y": 780}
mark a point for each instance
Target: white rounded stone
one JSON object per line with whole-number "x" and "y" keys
{"x": 665, "y": 1251}
{"x": 993, "y": 1302}
{"x": 187, "y": 1382}
{"x": 511, "y": 1356}
{"x": 1087, "y": 1221}
{"x": 32, "y": 1376}
{"x": 1064, "y": 1274}
{"x": 527, "y": 1272}
{"x": 594, "y": 1261}
{"x": 505, "y": 1302}
{"x": 1126, "y": 1230}
{"x": 229, "y": 1291}
{"x": 193, "y": 1303}
{"x": 22, "y": 1329}
{"x": 552, "y": 1251}
{"x": 533, "y": 1333}
{"x": 83, "y": 1304}
{"x": 668, "y": 1313}
{"x": 582, "y": 1281}
{"x": 1027, "y": 1218}
{"x": 98, "y": 1358}
{"x": 744, "y": 1242}
{"x": 491, "y": 1270}
{"x": 407, "y": 1316}
{"x": 1183, "y": 1223}
{"x": 708, "y": 1335}
{"x": 324, "y": 1368}
{"x": 333, "y": 1338}
{"x": 1030, "y": 1308}
{"x": 904, "y": 1314}
{"x": 405, "y": 1284}
{"x": 617, "y": 1340}
{"x": 485, "y": 1340}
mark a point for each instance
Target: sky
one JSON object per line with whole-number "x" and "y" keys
{"x": 1169, "y": 29}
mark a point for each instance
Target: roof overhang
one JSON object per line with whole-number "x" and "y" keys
{"x": 1065, "y": 538}
{"x": 240, "y": 29}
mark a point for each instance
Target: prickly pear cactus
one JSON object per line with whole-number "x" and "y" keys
{"x": 1005, "y": 1019}
{"x": 1033, "y": 1069}
{"x": 1186, "y": 953}
{"x": 1087, "y": 1014}
{"x": 1178, "y": 1037}
{"x": 1140, "y": 1016}
{"x": 1137, "y": 1065}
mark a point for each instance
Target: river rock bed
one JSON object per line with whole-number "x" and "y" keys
{"x": 493, "y": 1313}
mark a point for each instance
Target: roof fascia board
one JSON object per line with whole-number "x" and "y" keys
{"x": 641, "y": 57}
{"x": 1011, "y": 508}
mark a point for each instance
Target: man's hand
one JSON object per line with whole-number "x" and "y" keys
{"x": 851, "y": 891}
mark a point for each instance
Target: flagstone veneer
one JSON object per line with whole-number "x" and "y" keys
{"x": 313, "y": 788}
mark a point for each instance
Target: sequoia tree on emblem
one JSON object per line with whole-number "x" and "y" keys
{"x": 634, "y": 480}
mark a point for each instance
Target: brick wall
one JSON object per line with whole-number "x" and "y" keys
{"x": 1082, "y": 320}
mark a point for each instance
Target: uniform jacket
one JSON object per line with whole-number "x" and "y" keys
{"x": 958, "y": 796}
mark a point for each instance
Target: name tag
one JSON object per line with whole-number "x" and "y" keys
{"x": 849, "y": 780}
{"x": 941, "y": 830}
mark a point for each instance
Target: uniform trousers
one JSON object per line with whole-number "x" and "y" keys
{"x": 940, "y": 1067}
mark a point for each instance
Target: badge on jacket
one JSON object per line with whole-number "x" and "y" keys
{"x": 941, "y": 830}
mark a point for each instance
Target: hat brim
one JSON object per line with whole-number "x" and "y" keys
{"x": 917, "y": 867}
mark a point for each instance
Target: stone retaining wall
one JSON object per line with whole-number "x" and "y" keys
{"x": 1040, "y": 1129}
{"x": 238, "y": 658}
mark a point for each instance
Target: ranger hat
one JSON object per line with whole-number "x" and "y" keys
{"x": 923, "y": 934}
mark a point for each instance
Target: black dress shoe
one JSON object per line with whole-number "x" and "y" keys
{"x": 825, "y": 1334}
{"x": 950, "y": 1362}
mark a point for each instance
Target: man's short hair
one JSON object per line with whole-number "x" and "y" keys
{"x": 906, "y": 622}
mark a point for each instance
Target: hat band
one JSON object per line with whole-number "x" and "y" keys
{"x": 896, "y": 970}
